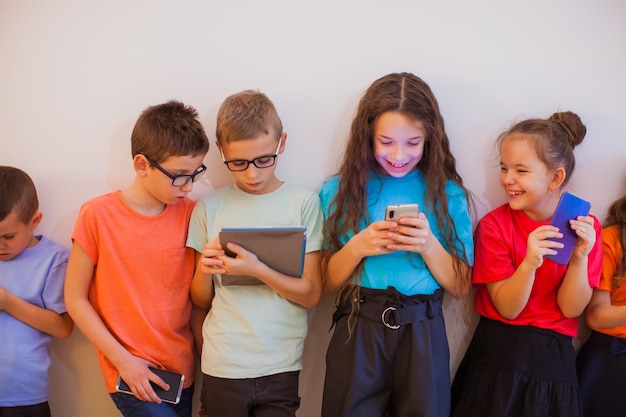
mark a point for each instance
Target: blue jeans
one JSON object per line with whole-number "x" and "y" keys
{"x": 130, "y": 406}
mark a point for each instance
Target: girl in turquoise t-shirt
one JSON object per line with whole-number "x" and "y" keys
{"x": 389, "y": 350}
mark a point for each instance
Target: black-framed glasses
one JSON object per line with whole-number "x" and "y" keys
{"x": 264, "y": 161}
{"x": 180, "y": 179}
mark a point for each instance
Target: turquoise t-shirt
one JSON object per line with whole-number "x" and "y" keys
{"x": 406, "y": 271}
{"x": 251, "y": 331}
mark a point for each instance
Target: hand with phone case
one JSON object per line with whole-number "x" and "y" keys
{"x": 565, "y": 217}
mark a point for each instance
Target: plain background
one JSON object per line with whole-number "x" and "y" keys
{"x": 75, "y": 74}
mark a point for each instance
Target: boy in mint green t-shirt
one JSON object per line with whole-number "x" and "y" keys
{"x": 253, "y": 335}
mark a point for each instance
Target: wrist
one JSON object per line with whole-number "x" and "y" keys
{"x": 528, "y": 266}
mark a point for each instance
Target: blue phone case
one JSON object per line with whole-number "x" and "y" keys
{"x": 570, "y": 207}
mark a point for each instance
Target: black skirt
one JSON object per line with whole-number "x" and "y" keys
{"x": 516, "y": 371}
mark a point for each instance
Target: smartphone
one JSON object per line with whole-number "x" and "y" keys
{"x": 173, "y": 379}
{"x": 397, "y": 211}
{"x": 569, "y": 207}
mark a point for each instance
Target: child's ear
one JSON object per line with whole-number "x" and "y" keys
{"x": 140, "y": 164}
{"x": 558, "y": 177}
{"x": 34, "y": 222}
{"x": 283, "y": 139}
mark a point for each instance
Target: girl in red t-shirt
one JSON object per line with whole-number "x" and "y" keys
{"x": 521, "y": 361}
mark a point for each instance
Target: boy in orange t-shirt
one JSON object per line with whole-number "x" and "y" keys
{"x": 128, "y": 275}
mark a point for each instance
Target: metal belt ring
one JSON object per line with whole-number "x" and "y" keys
{"x": 382, "y": 318}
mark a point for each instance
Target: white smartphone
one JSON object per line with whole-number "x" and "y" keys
{"x": 397, "y": 211}
{"x": 175, "y": 381}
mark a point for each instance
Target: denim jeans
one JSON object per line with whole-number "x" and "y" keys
{"x": 130, "y": 406}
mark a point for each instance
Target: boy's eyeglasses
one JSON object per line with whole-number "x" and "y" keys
{"x": 264, "y": 161}
{"x": 181, "y": 179}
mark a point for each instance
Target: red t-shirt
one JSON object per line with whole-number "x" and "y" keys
{"x": 500, "y": 247}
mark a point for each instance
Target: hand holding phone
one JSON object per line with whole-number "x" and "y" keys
{"x": 569, "y": 208}
{"x": 173, "y": 379}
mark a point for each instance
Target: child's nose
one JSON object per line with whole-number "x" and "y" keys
{"x": 187, "y": 187}
{"x": 398, "y": 153}
{"x": 252, "y": 171}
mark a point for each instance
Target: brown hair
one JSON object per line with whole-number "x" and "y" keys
{"x": 617, "y": 217}
{"x": 245, "y": 115}
{"x": 553, "y": 139}
{"x": 407, "y": 94}
{"x": 169, "y": 129}
{"x": 18, "y": 193}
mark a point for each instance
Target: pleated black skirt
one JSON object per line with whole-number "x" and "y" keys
{"x": 516, "y": 371}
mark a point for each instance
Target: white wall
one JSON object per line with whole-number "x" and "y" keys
{"x": 75, "y": 74}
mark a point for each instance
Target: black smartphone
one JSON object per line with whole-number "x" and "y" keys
{"x": 173, "y": 379}
{"x": 570, "y": 207}
{"x": 397, "y": 211}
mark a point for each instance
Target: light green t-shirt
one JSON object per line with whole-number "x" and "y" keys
{"x": 251, "y": 331}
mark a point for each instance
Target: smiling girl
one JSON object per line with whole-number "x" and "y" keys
{"x": 389, "y": 351}
{"x": 521, "y": 361}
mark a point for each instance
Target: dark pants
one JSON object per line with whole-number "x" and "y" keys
{"x": 601, "y": 364}
{"x": 267, "y": 396}
{"x": 37, "y": 410}
{"x": 130, "y": 406}
{"x": 394, "y": 362}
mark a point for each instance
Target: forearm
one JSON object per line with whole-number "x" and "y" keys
{"x": 47, "y": 321}
{"x": 603, "y": 316}
{"x": 92, "y": 326}
{"x": 305, "y": 291}
{"x": 340, "y": 268}
{"x": 574, "y": 293}
{"x": 201, "y": 290}
{"x": 511, "y": 295}
{"x": 441, "y": 265}
{"x": 197, "y": 319}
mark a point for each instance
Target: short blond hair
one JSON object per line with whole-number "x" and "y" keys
{"x": 246, "y": 115}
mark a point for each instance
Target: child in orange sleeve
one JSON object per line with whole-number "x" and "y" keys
{"x": 602, "y": 359}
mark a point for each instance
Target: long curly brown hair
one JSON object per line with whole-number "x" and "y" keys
{"x": 411, "y": 96}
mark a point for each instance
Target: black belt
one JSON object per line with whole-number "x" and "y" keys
{"x": 393, "y": 314}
